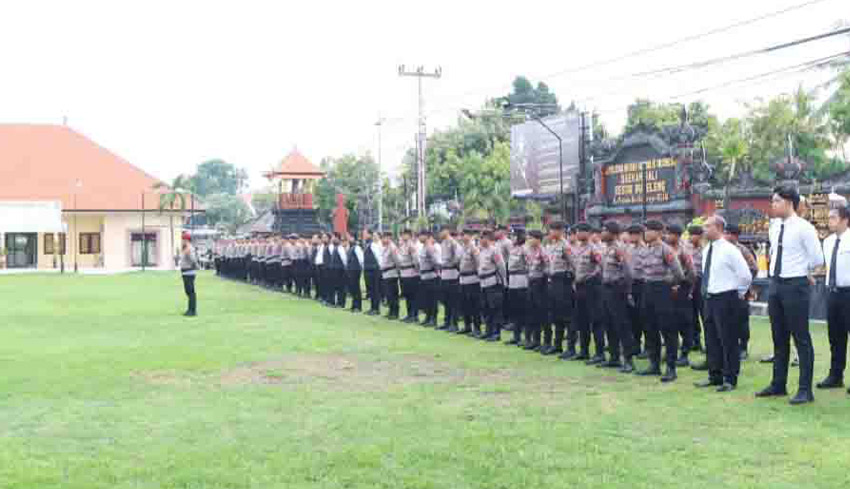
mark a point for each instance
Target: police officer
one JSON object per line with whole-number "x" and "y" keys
{"x": 743, "y": 305}
{"x": 836, "y": 251}
{"x": 559, "y": 258}
{"x": 616, "y": 285}
{"x": 694, "y": 247}
{"x": 637, "y": 251}
{"x": 449, "y": 275}
{"x": 469, "y": 286}
{"x": 390, "y": 263}
{"x": 429, "y": 269}
{"x": 492, "y": 277}
{"x": 372, "y": 255}
{"x": 409, "y": 275}
{"x": 538, "y": 298}
{"x": 588, "y": 270}
{"x": 517, "y": 298}
{"x": 682, "y": 300}
{"x": 503, "y": 244}
{"x": 353, "y": 272}
{"x": 661, "y": 270}
{"x": 188, "y": 269}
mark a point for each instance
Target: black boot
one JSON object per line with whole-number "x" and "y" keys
{"x": 683, "y": 360}
{"x": 628, "y": 366}
{"x": 669, "y": 375}
{"x": 597, "y": 359}
{"x": 569, "y": 354}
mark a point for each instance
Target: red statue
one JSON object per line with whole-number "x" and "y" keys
{"x": 340, "y": 216}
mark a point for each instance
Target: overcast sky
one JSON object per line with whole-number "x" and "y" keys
{"x": 169, "y": 84}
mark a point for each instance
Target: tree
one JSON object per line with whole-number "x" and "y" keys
{"x": 264, "y": 201}
{"x": 485, "y": 184}
{"x": 226, "y": 211}
{"x": 218, "y": 177}
{"x": 524, "y": 92}
{"x": 357, "y": 178}
{"x": 838, "y": 108}
{"x": 647, "y": 115}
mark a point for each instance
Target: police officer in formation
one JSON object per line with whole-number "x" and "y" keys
{"x": 629, "y": 292}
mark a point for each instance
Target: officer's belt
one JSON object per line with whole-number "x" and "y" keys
{"x": 387, "y": 269}
{"x": 467, "y": 274}
{"x": 518, "y": 272}
{"x": 486, "y": 276}
{"x": 407, "y": 267}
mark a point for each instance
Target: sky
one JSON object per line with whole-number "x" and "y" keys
{"x": 168, "y": 85}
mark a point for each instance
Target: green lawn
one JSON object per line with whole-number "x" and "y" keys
{"x": 104, "y": 385}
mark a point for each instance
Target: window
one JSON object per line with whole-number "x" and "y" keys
{"x": 49, "y": 247}
{"x": 89, "y": 243}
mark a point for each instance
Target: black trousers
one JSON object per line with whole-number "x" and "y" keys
{"x": 838, "y": 327}
{"x": 189, "y": 288}
{"x": 408, "y": 291}
{"x": 722, "y": 337}
{"x": 450, "y": 293}
{"x": 683, "y": 315}
{"x": 353, "y": 280}
{"x": 492, "y": 302}
{"x": 697, "y": 309}
{"x": 587, "y": 317}
{"x": 517, "y": 304}
{"x": 560, "y": 308}
{"x": 471, "y": 306}
{"x": 656, "y": 312}
{"x": 320, "y": 282}
{"x": 788, "y": 306}
{"x": 373, "y": 288}
{"x": 427, "y": 297}
{"x": 744, "y": 319}
{"x": 288, "y": 276}
{"x": 615, "y": 314}
{"x": 339, "y": 287}
{"x": 538, "y": 300}
{"x": 390, "y": 286}
{"x": 635, "y": 314}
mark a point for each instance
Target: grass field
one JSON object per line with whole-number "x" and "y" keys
{"x": 104, "y": 385}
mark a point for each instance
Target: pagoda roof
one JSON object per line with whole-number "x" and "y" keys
{"x": 296, "y": 165}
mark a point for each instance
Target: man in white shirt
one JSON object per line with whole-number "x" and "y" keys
{"x": 836, "y": 250}
{"x": 725, "y": 278}
{"x": 795, "y": 251}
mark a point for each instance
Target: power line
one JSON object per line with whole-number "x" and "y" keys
{"x": 808, "y": 65}
{"x": 657, "y": 47}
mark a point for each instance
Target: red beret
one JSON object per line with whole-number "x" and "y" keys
{"x": 187, "y": 236}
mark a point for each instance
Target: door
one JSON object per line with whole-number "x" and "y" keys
{"x": 143, "y": 249}
{"x": 22, "y": 250}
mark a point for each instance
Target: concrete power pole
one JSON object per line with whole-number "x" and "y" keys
{"x": 420, "y": 73}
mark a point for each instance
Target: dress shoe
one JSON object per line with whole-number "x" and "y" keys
{"x": 802, "y": 397}
{"x": 464, "y": 331}
{"x": 744, "y": 355}
{"x": 372, "y": 313}
{"x": 772, "y": 391}
{"x": 708, "y": 383}
{"x": 682, "y": 361}
{"x": 700, "y": 367}
{"x": 567, "y": 355}
{"x": 190, "y": 314}
{"x": 544, "y": 349}
{"x": 581, "y": 357}
{"x": 669, "y": 375}
{"x": 795, "y": 362}
{"x": 642, "y": 355}
{"x": 767, "y": 359}
{"x": 831, "y": 383}
{"x": 610, "y": 364}
{"x": 556, "y": 351}
{"x": 531, "y": 346}
{"x": 651, "y": 370}
{"x": 726, "y": 387}
{"x": 627, "y": 367}
{"x": 597, "y": 359}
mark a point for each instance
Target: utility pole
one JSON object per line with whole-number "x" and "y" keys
{"x": 420, "y": 73}
{"x": 380, "y": 180}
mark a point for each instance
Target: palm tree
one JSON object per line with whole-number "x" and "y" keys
{"x": 173, "y": 197}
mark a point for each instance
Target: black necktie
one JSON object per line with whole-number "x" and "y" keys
{"x": 833, "y": 262}
{"x": 777, "y": 270}
{"x": 707, "y": 273}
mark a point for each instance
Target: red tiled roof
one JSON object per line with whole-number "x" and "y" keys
{"x": 45, "y": 162}
{"x": 297, "y": 165}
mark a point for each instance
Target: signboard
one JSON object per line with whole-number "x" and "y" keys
{"x": 818, "y": 213}
{"x": 624, "y": 182}
{"x": 535, "y": 166}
